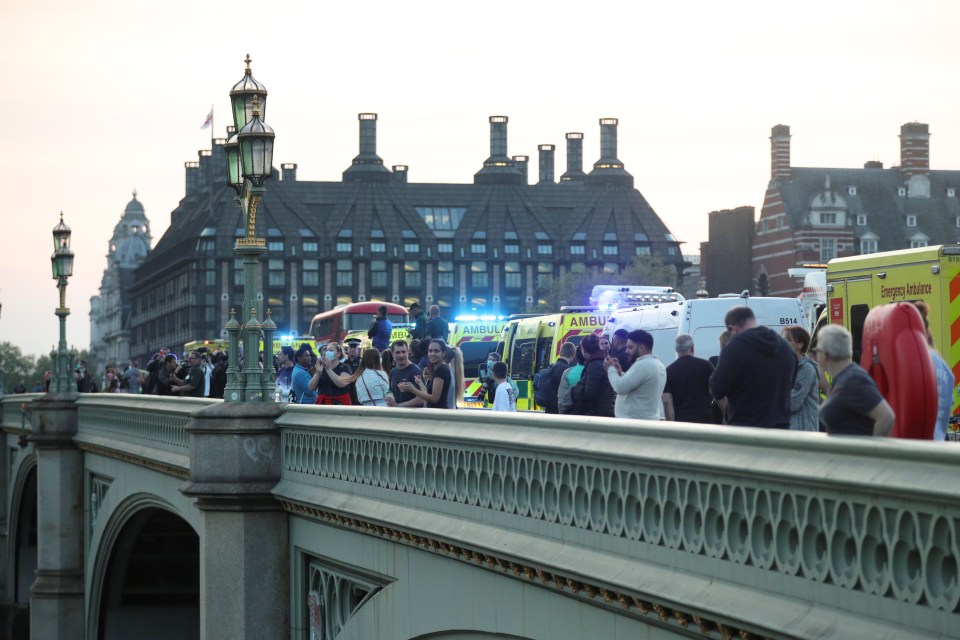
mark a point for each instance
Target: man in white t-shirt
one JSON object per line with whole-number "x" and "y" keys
{"x": 505, "y": 398}
{"x": 640, "y": 388}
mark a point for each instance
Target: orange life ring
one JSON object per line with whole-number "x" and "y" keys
{"x": 896, "y": 356}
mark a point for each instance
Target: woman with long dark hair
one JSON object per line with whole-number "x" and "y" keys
{"x": 436, "y": 390}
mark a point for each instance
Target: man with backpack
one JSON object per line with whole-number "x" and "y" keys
{"x": 546, "y": 384}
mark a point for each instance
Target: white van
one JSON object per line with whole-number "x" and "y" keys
{"x": 703, "y": 319}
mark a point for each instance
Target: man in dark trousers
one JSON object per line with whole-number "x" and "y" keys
{"x": 755, "y": 373}
{"x": 686, "y": 398}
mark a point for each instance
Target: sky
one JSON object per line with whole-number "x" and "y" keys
{"x": 107, "y": 96}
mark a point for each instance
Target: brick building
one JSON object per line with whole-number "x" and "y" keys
{"x": 814, "y": 214}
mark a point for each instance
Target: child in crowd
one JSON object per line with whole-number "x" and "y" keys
{"x": 505, "y": 398}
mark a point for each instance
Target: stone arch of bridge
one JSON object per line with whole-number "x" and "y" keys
{"x": 22, "y": 548}
{"x": 145, "y": 573}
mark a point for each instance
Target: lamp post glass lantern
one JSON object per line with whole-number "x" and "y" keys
{"x": 61, "y": 263}
{"x": 249, "y": 156}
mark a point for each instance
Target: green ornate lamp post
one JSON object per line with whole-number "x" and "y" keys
{"x": 249, "y": 154}
{"x": 62, "y": 263}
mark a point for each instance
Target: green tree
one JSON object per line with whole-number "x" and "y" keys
{"x": 647, "y": 270}
{"x": 573, "y": 289}
{"x": 16, "y": 367}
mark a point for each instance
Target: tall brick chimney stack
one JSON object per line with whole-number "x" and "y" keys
{"x": 780, "y": 152}
{"x": 914, "y": 149}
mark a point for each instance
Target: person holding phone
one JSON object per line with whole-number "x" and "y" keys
{"x": 303, "y": 380}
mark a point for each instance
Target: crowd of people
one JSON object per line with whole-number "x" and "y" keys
{"x": 760, "y": 379}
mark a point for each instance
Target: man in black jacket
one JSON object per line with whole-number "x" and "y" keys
{"x": 755, "y": 373}
{"x": 568, "y": 355}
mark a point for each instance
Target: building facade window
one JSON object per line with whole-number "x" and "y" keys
{"x": 442, "y": 218}
{"x": 378, "y": 274}
{"x": 378, "y": 246}
{"x": 411, "y": 247}
{"x": 478, "y": 248}
{"x": 238, "y": 272}
{"x": 828, "y": 249}
{"x": 643, "y": 250}
{"x": 544, "y": 275}
{"x": 868, "y": 245}
{"x": 512, "y": 278}
{"x": 511, "y": 249}
{"x": 344, "y": 246}
{"x": 275, "y": 246}
{"x": 851, "y": 191}
{"x": 344, "y": 273}
{"x": 610, "y": 249}
{"x": 578, "y": 250}
{"x": 479, "y": 277}
{"x": 311, "y": 273}
{"x": 311, "y": 247}
{"x": 411, "y": 274}
{"x": 444, "y": 247}
{"x": 861, "y": 219}
{"x": 911, "y": 221}
{"x": 445, "y": 274}
{"x": 544, "y": 249}
{"x": 275, "y": 275}
{"x": 828, "y": 218}
{"x": 951, "y": 193}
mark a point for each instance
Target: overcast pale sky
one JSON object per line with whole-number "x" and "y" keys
{"x": 107, "y": 96}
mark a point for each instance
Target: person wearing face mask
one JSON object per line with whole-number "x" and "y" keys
{"x": 333, "y": 377}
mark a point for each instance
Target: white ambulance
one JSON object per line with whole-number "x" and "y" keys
{"x": 703, "y": 319}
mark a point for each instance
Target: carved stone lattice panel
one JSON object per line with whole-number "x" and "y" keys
{"x": 99, "y": 485}
{"x": 898, "y": 549}
{"x": 333, "y": 596}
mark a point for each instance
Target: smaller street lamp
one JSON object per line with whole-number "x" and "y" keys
{"x": 61, "y": 263}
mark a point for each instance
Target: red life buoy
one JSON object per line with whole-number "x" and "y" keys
{"x": 896, "y": 355}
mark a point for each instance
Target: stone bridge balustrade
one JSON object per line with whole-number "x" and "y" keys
{"x": 144, "y": 430}
{"x": 774, "y": 534}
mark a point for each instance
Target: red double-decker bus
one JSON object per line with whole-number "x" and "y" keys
{"x": 352, "y": 319}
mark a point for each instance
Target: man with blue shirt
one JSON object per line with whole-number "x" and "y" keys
{"x": 303, "y": 387}
{"x": 380, "y": 332}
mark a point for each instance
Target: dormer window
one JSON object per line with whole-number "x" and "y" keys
{"x": 851, "y": 191}
{"x": 951, "y": 193}
{"x": 902, "y": 191}
{"x": 911, "y": 221}
{"x": 861, "y": 220}
{"x": 828, "y": 218}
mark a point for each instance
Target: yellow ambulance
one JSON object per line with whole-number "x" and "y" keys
{"x": 476, "y": 337}
{"x": 529, "y": 344}
{"x": 932, "y": 274}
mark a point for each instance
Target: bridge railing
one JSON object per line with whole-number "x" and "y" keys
{"x": 726, "y": 528}
{"x": 15, "y": 412}
{"x": 141, "y": 429}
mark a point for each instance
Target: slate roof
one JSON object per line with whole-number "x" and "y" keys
{"x": 877, "y": 196}
{"x": 327, "y": 208}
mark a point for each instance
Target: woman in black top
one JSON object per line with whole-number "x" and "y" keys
{"x": 332, "y": 377}
{"x": 435, "y": 390}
